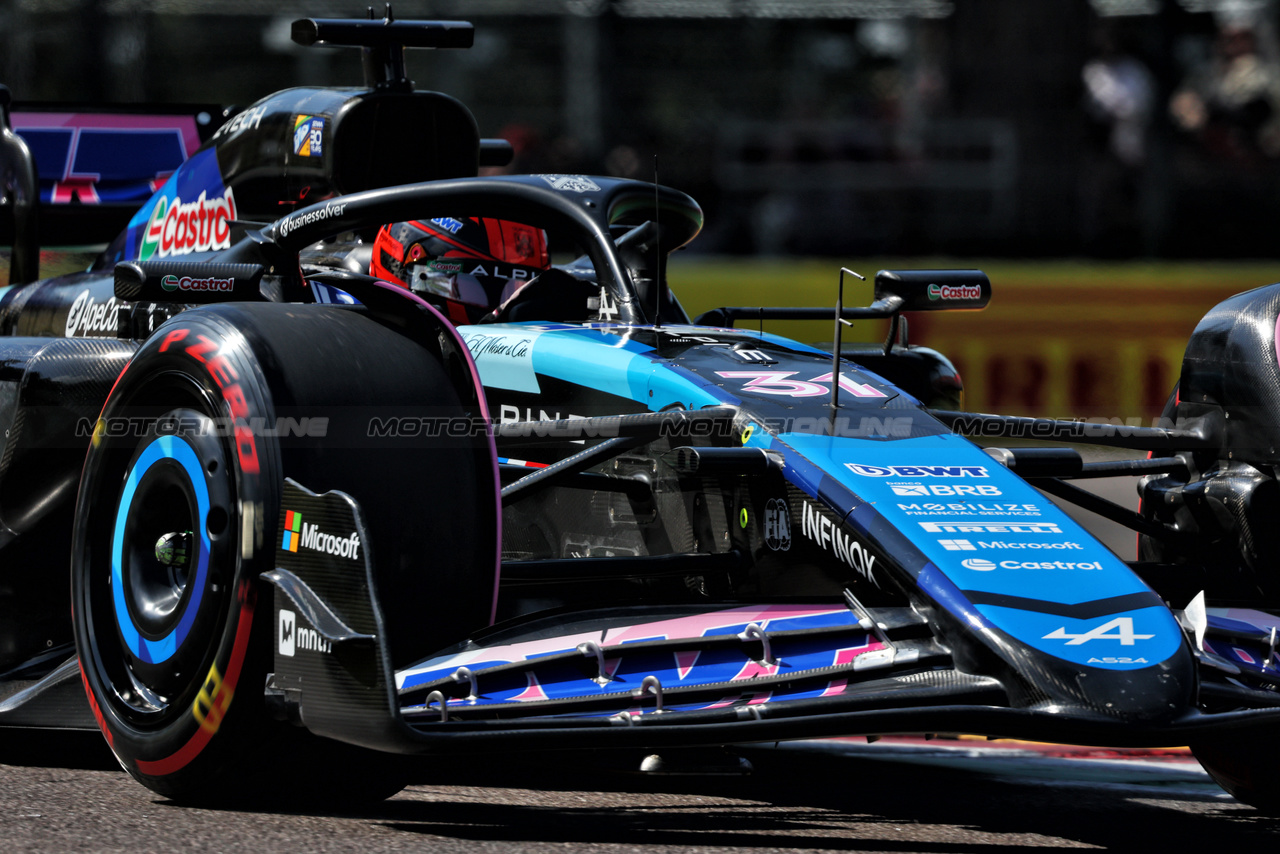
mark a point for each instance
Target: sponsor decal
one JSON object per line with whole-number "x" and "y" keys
{"x": 186, "y": 283}
{"x": 294, "y": 637}
{"x": 508, "y": 413}
{"x": 969, "y": 509}
{"x": 440, "y": 265}
{"x": 1120, "y": 629}
{"x": 954, "y": 292}
{"x": 829, "y": 536}
{"x": 777, "y": 525}
{"x": 981, "y": 490}
{"x": 448, "y": 223}
{"x": 212, "y": 701}
{"x": 208, "y": 353}
{"x": 575, "y": 183}
{"x": 89, "y": 318}
{"x": 288, "y": 625}
{"x": 958, "y": 545}
{"x": 244, "y": 120}
{"x": 292, "y": 531}
{"x": 777, "y": 383}
{"x": 1117, "y": 659}
{"x": 499, "y": 345}
{"x": 299, "y": 533}
{"x": 757, "y": 356}
{"x": 505, "y": 360}
{"x": 916, "y": 471}
{"x": 180, "y": 228}
{"x": 980, "y": 565}
{"x": 294, "y": 221}
{"x": 308, "y": 136}
{"x": 498, "y": 272}
{"x": 991, "y": 528}
{"x": 954, "y": 545}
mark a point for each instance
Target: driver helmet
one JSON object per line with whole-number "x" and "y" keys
{"x": 468, "y": 265}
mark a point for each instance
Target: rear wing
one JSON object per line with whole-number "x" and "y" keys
{"x": 94, "y": 166}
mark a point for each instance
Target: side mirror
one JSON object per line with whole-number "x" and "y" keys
{"x": 935, "y": 290}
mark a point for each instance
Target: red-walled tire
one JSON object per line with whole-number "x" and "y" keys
{"x": 175, "y": 654}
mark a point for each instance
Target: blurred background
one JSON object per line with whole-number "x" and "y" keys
{"x": 1112, "y": 164}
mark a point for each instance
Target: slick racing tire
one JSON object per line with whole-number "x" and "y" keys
{"x": 177, "y": 518}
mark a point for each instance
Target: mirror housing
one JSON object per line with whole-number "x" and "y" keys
{"x": 935, "y": 290}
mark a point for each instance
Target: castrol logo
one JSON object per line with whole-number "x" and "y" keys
{"x": 180, "y": 228}
{"x": 955, "y": 292}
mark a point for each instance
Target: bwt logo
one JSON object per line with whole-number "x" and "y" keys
{"x": 917, "y": 471}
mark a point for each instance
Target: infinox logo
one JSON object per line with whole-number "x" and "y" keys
{"x": 954, "y": 292}
{"x": 186, "y": 283}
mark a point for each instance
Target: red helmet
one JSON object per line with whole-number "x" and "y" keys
{"x": 471, "y": 265}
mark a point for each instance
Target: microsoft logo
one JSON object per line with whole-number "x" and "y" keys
{"x": 292, "y": 531}
{"x": 957, "y": 545}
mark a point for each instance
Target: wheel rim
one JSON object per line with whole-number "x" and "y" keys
{"x": 155, "y": 604}
{"x": 159, "y": 615}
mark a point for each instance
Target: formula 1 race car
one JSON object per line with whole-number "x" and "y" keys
{"x": 352, "y": 453}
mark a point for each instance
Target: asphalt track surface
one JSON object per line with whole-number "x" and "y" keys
{"x": 896, "y": 795}
{"x": 891, "y": 796}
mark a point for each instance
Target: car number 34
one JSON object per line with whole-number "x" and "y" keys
{"x": 779, "y": 383}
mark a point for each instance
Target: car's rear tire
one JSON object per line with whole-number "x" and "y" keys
{"x": 175, "y": 654}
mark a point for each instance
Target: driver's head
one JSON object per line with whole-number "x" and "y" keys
{"x": 469, "y": 265}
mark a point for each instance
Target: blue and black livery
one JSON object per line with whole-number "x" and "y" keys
{"x": 589, "y": 522}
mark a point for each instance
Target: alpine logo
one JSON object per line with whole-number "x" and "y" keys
{"x": 186, "y": 283}
{"x": 1119, "y": 629}
{"x": 917, "y": 471}
{"x": 954, "y": 292}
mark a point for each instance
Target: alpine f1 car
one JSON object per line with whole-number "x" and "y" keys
{"x": 353, "y": 453}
